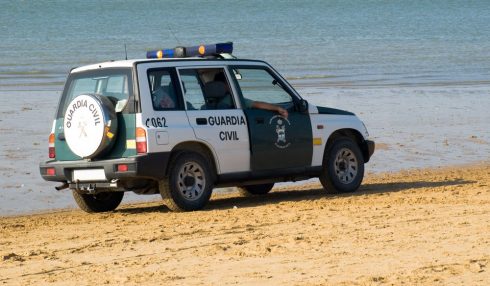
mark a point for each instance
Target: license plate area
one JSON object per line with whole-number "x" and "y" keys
{"x": 89, "y": 175}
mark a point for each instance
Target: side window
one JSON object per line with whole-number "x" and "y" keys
{"x": 162, "y": 89}
{"x": 257, "y": 84}
{"x": 206, "y": 89}
{"x": 193, "y": 94}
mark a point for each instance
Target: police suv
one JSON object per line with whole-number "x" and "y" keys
{"x": 189, "y": 119}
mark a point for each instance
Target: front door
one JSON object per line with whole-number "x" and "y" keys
{"x": 276, "y": 142}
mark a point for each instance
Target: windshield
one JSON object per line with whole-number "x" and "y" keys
{"x": 114, "y": 84}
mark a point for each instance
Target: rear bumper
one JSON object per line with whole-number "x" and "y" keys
{"x": 149, "y": 166}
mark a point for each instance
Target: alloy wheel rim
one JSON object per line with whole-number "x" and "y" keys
{"x": 191, "y": 181}
{"x": 346, "y": 166}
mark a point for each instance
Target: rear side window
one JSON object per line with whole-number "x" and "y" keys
{"x": 164, "y": 95}
{"x": 115, "y": 84}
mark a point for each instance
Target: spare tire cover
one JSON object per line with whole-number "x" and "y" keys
{"x": 90, "y": 125}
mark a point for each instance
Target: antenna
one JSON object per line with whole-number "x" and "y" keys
{"x": 126, "y": 51}
{"x": 172, "y": 32}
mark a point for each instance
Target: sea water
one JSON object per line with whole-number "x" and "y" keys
{"x": 348, "y": 42}
{"x": 416, "y": 72}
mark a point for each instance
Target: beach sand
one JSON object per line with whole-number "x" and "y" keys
{"x": 425, "y": 226}
{"x": 419, "y": 227}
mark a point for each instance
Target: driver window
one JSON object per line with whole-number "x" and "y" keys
{"x": 259, "y": 85}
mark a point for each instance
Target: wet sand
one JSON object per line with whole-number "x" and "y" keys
{"x": 413, "y": 127}
{"x": 420, "y": 227}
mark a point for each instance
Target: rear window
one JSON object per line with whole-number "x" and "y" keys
{"x": 113, "y": 83}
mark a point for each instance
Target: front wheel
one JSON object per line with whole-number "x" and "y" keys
{"x": 189, "y": 184}
{"x": 101, "y": 202}
{"x": 343, "y": 167}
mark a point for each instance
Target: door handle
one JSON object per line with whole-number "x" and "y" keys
{"x": 201, "y": 121}
{"x": 259, "y": 120}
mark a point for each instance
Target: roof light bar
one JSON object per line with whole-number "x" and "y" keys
{"x": 185, "y": 52}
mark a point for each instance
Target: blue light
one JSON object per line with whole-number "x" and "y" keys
{"x": 158, "y": 54}
{"x": 194, "y": 51}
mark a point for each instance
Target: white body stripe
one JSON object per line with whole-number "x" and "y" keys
{"x": 226, "y": 131}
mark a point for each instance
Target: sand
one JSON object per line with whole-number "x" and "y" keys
{"x": 427, "y": 227}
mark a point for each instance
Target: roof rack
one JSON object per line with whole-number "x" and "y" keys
{"x": 220, "y": 50}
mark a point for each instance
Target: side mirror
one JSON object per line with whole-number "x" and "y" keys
{"x": 303, "y": 106}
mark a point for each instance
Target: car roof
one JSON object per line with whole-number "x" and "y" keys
{"x": 133, "y": 62}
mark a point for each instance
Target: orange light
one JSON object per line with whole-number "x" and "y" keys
{"x": 202, "y": 49}
{"x": 51, "y": 150}
{"x": 141, "y": 140}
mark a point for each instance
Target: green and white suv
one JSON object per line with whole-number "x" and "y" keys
{"x": 184, "y": 122}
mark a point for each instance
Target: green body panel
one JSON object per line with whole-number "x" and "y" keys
{"x": 328, "y": 110}
{"x": 126, "y": 130}
{"x": 268, "y": 151}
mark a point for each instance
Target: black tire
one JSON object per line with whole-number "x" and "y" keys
{"x": 189, "y": 184}
{"x": 343, "y": 167}
{"x": 256, "y": 190}
{"x": 101, "y": 202}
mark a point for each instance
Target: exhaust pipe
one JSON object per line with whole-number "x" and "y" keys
{"x": 61, "y": 187}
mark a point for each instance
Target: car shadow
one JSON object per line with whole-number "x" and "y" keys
{"x": 317, "y": 193}
{"x": 297, "y": 195}
{"x": 157, "y": 207}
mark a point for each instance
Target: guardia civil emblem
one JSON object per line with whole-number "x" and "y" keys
{"x": 281, "y": 125}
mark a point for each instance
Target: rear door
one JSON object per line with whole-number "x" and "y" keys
{"x": 212, "y": 112}
{"x": 276, "y": 142}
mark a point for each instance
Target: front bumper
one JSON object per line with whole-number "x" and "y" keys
{"x": 368, "y": 150}
{"x": 149, "y": 166}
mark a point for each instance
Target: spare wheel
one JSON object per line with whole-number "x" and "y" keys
{"x": 90, "y": 125}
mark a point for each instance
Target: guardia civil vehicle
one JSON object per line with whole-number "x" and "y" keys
{"x": 189, "y": 119}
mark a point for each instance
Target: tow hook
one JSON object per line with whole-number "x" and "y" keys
{"x": 61, "y": 187}
{"x": 91, "y": 189}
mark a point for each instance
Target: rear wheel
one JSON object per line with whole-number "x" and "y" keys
{"x": 256, "y": 190}
{"x": 101, "y": 202}
{"x": 189, "y": 184}
{"x": 343, "y": 167}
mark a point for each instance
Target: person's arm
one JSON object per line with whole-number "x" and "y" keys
{"x": 272, "y": 107}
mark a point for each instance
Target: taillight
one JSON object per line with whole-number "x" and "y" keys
{"x": 51, "y": 171}
{"x": 122, "y": 168}
{"x": 141, "y": 140}
{"x": 52, "y": 153}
